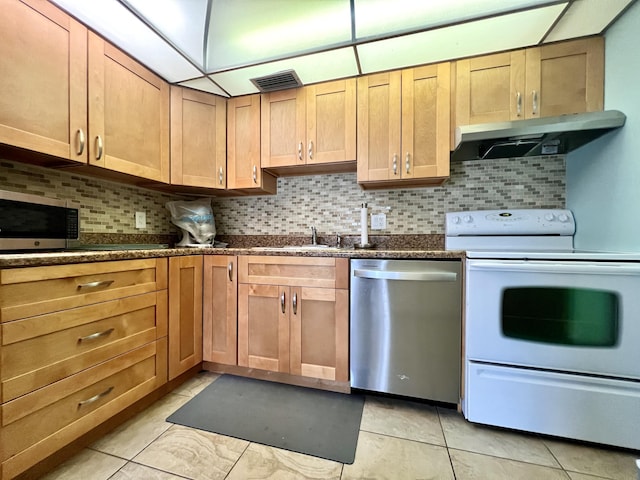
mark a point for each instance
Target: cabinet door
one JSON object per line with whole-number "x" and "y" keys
{"x": 185, "y": 313}
{"x": 198, "y": 139}
{"x": 331, "y": 122}
{"x": 426, "y": 101}
{"x": 283, "y": 128}
{"x": 320, "y": 333}
{"x": 565, "y": 78}
{"x": 379, "y": 127}
{"x": 220, "y": 302}
{"x": 263, "y": 327}
{"x": 490, "y": 88}
{"x": 43, "y": 85}
{"x": 128, "y": 114}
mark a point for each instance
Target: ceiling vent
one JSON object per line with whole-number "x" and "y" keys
{"x": 277, "y": 81}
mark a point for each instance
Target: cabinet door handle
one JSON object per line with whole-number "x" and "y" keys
{"x": 230, "y": 271}
{"x": 96, "y": 335}
{"x": 221, "y": 175}
{"x": 310, "y": 150}
{"x": 99, "y": 147}
{"x": 100, "y": 283}
{"x": 282, "y": 300}
{"x": 95, "y": 398}
{"x": 300, "y": 151}
{"x": 395, "y": 163}
{"x": 255, "y": 174}
{"x": 81, "y": 142}
{"x": 294, "y": 302}
{"x": 534, "y": 102}
{"x": 518, "y": 104}
{"x": 407, "y": 162}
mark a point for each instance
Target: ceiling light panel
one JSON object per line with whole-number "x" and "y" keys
{"x": 118, "y": 25}
{"x": 313, "y": 68}
{"x": 516, "y": 30}
{"x": 379, "y": 18}
{"x": 243, "y": 32}
{"x": 586, "y": 17}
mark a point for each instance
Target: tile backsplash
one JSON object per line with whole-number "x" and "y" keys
{"x": 329, "y": 202}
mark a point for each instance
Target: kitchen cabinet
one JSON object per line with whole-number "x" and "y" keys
{"x": 43, "y": 86}
{"x": 245, "y": 173}
{"x": 403, "y": 127}
{"x": 310, "y": 126}
{"x": 80, "y": 343}
{"x": 198, "y": 139}
{"x": 555, "y": 79}
{"x": 220, "y": 309}
{"x": 185, "y": 313}
{"x": 293, "y": 315}
{"x": 128, "y": 114}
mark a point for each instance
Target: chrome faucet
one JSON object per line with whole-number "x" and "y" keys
{"x": 314, "y": 236}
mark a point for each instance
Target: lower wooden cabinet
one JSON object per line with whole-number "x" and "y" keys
{"x": 293, "y": 315}
{"x": 185, "y": 313}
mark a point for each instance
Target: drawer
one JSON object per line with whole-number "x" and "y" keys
{"x": 40, "y": 350}
{"x": 25, "y": 292}
{"x": 36, "y": 425}
{"x": 322, "y": 272}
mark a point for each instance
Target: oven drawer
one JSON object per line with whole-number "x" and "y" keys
{"x": 586, "y": 408}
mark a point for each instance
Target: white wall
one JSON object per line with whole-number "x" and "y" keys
{"x": 603, "y": 177}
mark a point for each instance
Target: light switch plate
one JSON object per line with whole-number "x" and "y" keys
{"x": 141, "y": 220}
{"x": 378, "y": 221}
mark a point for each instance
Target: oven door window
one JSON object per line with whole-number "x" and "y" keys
{"x": 563, "y": 316}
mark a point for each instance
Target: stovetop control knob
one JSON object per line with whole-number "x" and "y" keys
{"x": 467, "y": 218}
{"x": 456, "y": 220}
{"x": 549, "y": 217}
{"x": 563, "y": 217}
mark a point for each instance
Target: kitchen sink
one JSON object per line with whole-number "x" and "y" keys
{"x": 323, "y": 248}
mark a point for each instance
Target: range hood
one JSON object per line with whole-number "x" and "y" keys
{"x": 538, "y": 136}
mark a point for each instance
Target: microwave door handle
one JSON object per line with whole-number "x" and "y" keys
{"x": 564, "y": 268}
{"x": 424, "y": 276}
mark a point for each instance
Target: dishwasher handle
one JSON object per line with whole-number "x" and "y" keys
{"x": 422, "y": 276}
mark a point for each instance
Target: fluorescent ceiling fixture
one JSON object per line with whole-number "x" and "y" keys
{"x": 204, "y": 84}
{"x": 376, "y": 18}
{"x": 516, "y": 30}
{"x": 113, "y": 21}
{"x": 313, "y": 68}
{"x": 585, "y": 17}
{"x": 243, "y": 32}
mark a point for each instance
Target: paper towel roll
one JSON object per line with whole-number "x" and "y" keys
{"x": 364, "y": 235}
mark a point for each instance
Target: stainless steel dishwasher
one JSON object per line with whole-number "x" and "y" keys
{"x": 405, "y": 327}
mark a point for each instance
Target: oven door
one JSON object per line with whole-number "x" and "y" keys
{"x": 558, "y": 315}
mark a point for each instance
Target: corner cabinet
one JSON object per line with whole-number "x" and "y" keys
{"x": 293, "y": 315}
{"x": 403, "y": 127}
{"x": 555, "y": 79}
{"x": 310, "y": 126}
{"x": 185, "y": 313}
{"x": 43, "y": 60}
{"x": 198, "y": 139}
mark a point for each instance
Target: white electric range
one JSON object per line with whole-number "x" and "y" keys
{"x": 551, "y": 333}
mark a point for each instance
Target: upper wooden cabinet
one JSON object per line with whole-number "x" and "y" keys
{"x": 128, "y": 114}
{"x": 313, "y": 125}
{"x": 43, "y": 60}
{"x": 556, "y": 79}
{"x": 198, "y": 139}
{"x": 243, "y": 147}
{"x": 403, "y": 127}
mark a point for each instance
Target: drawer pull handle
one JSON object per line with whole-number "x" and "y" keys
{"x": 310, "y": 150}
{"x": 282, "y": 301}
{"x": 81, "y": 142}
{"x": 93, "y": 336}
{"x": 99, "y": 147}
{"x": 102, "y": 283}
{"x": 295, "y": 303}
{"x": 230, "y": 270}
{"x": 95, "y": 398}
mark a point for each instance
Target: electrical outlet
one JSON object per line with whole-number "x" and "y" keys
{"x": 141, "y": 220}
{"x": 378, "y": 221}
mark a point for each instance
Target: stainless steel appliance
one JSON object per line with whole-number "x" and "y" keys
{"x": 31, "y": 222}
{"x": 405, "y": 327}
{"x": 551, "y": 333}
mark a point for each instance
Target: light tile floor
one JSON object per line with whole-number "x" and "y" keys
{"x": 398, "y": 440}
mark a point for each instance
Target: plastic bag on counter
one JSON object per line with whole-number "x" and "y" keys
{"x": 195, "y": 219}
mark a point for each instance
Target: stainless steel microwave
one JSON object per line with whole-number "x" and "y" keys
{"x": 33, "y": 222}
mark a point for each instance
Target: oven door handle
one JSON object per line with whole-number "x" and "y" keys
{"x": 424, "y": 276}
{"x": 554, "y": 267}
